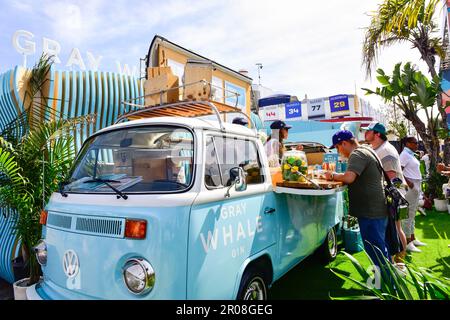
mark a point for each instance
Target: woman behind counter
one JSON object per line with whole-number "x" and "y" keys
{"x": 274, "y": 145}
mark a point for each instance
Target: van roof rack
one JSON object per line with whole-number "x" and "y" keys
{"x": 188, "y": 108}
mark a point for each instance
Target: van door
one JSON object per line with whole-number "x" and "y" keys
{"x": 224, "y": 231}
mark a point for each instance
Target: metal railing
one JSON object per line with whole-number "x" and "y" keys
{"x": 162, "y": 92}
{"x": 162, "y": 105}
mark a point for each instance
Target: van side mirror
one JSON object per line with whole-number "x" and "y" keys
{"x": 238, "y": 180}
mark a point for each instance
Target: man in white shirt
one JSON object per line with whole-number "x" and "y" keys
{"x": 413, "y": 177}
{"x": 376, "y": 135}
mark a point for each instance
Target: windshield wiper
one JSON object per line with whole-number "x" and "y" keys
{"x": 106, "y": 181}
{"x": 61, "y": 186}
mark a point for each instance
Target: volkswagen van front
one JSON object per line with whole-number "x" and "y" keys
{"x": 117, "y": 228}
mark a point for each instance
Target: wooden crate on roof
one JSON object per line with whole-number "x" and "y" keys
{"x": 161, "y": 78}
{"x": 181, "y": 109}
{"x": 194, "y": 72}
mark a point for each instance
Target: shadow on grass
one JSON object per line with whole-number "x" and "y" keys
{"x": 433, "y": 219}
{"x": 311, "y": 280}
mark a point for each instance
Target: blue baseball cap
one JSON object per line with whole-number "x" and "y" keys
{"x": 341, "y": 135}
{"x": 375, "y": 126}
{"x": 278, "y": 124}
{"x": 240, "y": 120}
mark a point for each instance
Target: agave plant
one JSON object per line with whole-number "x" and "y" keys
{"x": 418, "y": 283}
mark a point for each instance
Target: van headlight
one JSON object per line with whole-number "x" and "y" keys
{"x": 139, "y": 276}
{"x": 41, "y": 252}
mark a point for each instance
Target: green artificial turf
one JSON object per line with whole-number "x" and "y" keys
{"x": 313, "y": 280}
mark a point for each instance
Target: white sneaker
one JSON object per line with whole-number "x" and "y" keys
{"x": 418, "y": 243}
{"x": 422, "y": 211}
{"x": 400, "y": 268}
{"x": 410, "y": 247}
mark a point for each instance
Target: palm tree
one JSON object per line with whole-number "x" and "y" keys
{"x": 407, "y": 21}
{"x": 410, "y": 91}
{"x": 30, "y": 171}
{"x": 36, "y": 152}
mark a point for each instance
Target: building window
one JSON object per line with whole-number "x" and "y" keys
{"x": 217, "y": 89}
{"x": 230, "y": 95}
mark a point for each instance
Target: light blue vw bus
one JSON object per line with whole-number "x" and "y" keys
{"x": 177, "y": 207}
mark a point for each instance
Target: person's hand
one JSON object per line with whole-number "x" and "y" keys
{"x": 410, "y": 184}
{"x": 329, "y": 175}
{"x": 440, "y": 167}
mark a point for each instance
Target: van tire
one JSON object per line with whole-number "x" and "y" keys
{"x": 253, "y": 285}
{"x": 329, "y": 248}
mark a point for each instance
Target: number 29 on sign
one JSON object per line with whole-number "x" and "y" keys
{"x": 339, "y": 104}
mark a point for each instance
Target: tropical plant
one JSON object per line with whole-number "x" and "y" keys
{"x": 411, "y": 91}
{"x": 399, "y": 129}
{"x": 435, "y": 181}
{"x": 413, "y": 22}
{"x": 36, "y": 152}
{"x": 30, "y": 172}
{"x": 418, "y": 283}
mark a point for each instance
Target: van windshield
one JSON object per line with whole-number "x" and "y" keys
{"x": 135, "y": 160}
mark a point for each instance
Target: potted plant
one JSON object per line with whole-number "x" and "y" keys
{"x": 436, "y": 182}
{"x": 34, "y": 157}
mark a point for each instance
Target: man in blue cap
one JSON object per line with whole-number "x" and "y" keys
{"x": 375, "y": 134}
{"x": 241, "y": 121}
{"x": 367, "y": 200}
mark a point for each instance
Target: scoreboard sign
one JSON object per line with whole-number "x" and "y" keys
{"x": 339, "y": 103}
{"x": 316, "y": 108}
{"x": 293, "y": 110}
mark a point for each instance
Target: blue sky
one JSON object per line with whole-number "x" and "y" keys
{"x": 305, "y": 46}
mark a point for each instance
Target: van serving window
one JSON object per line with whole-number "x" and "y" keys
{"x": 135, "y": 160}
{"x": 231, "y": 152}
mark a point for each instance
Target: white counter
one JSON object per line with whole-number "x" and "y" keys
{"x": 309, "y": 192}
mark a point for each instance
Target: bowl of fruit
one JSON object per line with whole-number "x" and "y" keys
{"x": 293, "y": 165}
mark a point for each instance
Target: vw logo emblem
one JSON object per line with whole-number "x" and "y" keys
{"x": 71, "y": 265}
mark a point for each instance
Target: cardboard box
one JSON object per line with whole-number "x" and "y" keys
{"x": 150, "y": 169}
{"x": 161, "y": 78}
{"x": 194, "y": 72}
{"x": 315, "y": 158}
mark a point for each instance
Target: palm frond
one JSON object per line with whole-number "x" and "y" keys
{"x": 397, "y": 21}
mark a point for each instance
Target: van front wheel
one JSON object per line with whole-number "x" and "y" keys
{"x": 253, "y": 286}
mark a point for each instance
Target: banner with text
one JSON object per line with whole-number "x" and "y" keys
{"x": 293, "y": 110}
{"x": 339, "y": 104}
{"x": 316, "y": 108}
{"x": 270, "y": 113}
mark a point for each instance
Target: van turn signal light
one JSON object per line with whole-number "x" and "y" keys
{"x": 43, "y": 217}
{"x": 135, "y": 229}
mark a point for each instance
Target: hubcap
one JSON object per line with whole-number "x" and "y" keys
{"x": 255, "y": 290}
{"x": 332, "y": 243}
